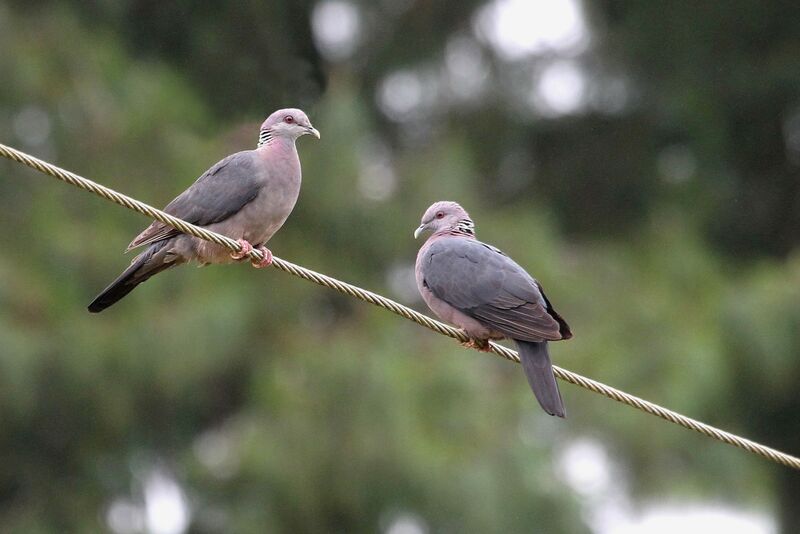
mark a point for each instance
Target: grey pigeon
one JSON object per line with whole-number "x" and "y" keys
{"x": 246, "y": 196}
{"x": 478, "y": 288}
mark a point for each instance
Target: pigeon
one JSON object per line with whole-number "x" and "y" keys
{"x": 246, "y": 196}
{"x": 476, "y": 287}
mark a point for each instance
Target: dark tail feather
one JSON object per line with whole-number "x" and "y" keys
{"x": 143, "y": 267}
{"x": 536, "y": 362}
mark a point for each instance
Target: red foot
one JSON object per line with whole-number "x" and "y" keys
{"x": 266, "y": 261}
{"x": 478, "y": 344}
{"x": 246, "y": 248}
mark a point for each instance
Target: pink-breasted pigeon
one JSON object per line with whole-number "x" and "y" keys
{"x": 478, "y": 288}
{"x": 246, "y": 196}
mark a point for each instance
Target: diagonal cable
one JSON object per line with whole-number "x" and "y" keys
{"x": 399, "y": 309}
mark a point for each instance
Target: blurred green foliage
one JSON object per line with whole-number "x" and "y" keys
{"x": 280, "y": 406}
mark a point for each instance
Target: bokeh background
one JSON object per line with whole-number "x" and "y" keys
{"x": 642, "y": 159}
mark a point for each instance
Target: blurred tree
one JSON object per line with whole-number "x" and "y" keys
{"x": 272, "y": 404}
{"x": 720, "y": 84}
{"x": 244, "y": 58}
{"x": 762, "y": 340}
{"x": 720, "y": 79}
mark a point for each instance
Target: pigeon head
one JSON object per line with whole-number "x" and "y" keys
{"x": 446, "y": 216}
{"x": 288, "y": 123}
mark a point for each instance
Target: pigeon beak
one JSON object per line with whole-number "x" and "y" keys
{"x": 418, "y": 231}
{"x": 313, "y": 131}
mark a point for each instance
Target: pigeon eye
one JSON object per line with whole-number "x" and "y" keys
{"x": 440, "y": 215}
{"x": 289, "y": 119}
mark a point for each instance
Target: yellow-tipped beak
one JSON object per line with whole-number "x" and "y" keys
{"x": 313, "y": 131}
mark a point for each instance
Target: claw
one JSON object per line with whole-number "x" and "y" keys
{"x": 478, "y": 344}
{"x": 266, "y": 261}
{"x": 246, "y": 248}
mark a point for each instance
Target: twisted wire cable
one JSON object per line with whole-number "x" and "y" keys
{"x": 397, "y": 308}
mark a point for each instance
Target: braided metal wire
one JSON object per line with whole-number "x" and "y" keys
{"x": 397, "y": 308}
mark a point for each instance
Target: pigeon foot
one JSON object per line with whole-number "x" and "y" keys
{"x": 246, "y": 249}
{"x": 478, "y": 344}
{"x": 266, "y": 261}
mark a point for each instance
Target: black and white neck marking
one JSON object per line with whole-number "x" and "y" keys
{"x": 264, "y": 137}
{"x": 466, "y": 226}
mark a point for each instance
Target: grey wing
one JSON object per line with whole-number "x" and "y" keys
{"x": 489, "y": 286}
{"x": 220, "y": 192}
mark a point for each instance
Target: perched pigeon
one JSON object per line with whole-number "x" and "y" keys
{"x": 478, "y": 288}
{"x": 246, "y": 196}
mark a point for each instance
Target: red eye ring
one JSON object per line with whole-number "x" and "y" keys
{"x": 288, "y": 119}
{"x": 439, "y": 215}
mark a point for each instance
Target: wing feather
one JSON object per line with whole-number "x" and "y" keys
{"x": 487, "y": 285}
{"x": 220, "y": 192}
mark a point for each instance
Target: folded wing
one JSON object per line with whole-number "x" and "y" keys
{"x": 219, "y": 193}
{"x": 487, "y": 285}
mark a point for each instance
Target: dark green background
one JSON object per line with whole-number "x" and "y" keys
{"x": 280, "y": 406}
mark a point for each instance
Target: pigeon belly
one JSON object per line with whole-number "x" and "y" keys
{"x": 258, "y": 221}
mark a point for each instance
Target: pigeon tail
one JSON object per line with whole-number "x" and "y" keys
{"x": 148, "y": 263}
{"x": 536, "y": 362}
